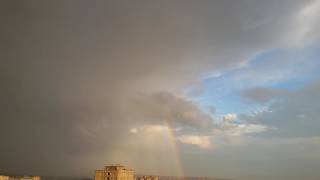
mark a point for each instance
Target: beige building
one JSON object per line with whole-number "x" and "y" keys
{"x": 148, "y": 178}
{"x": 19, "y": 177}
{"x": 114, "y": 172}
{"x": 4, "y": 177}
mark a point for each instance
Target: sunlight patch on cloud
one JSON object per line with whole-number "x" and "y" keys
{"x": 305, "y": 23}
{"x": 133, "y": 130}
{"x": 149, "y": 129}
{"x": 247, "y": 129}
{"x": 230, "y": 127}
{"x": 200, "y": 141}
{"x": 230, "y": 117}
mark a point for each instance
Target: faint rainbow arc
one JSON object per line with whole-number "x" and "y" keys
{"x": 175, "y": 147}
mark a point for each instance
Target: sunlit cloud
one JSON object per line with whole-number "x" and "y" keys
{"x": 200, "y": 141}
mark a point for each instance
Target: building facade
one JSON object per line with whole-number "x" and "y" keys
{"x": 4, "y": 177}
{"x": 114, "y": 172}
{"x": 19, "y": 177}
{"x": 148, "y": 178}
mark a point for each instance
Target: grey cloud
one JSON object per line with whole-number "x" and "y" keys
{"x": 165, "y": 107}
{"x": 262, "y": 94}
{"x": 70, "y": 70}
{"x": 295, "y": 116}
{"x": 261, "y": 156}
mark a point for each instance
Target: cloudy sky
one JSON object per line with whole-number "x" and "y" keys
{"x": 189, "y": 88}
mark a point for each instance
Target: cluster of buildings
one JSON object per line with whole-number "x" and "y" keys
{"x": 147, "y": 178}
{"x": 112, "y": 172}
{"x": 118, "y": 172}
{"x": 19, "y": 177}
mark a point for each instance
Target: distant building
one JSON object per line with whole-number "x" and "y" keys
{"x": 24, "y": 177}
{"x": 114, "y": 172}
{"x": 19, "y": 177}
{"x": 148, "y": 178}
{"x": 4, "y": 177}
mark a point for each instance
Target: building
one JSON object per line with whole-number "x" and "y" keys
{"x": 19, "y": 177}
{"x": 4, "y": 177}
{"x": 24, "y": 177}
{"x": 114, "y": 172}
{"x": 148, "y": 178}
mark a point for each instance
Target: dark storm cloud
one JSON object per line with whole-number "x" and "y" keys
{"x": 69, "y": 71}
{"x": 164, "y": 107}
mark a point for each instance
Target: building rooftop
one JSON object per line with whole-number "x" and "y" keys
{"x": 116, "y": 167}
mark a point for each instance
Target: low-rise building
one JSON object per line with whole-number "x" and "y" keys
{"x": 2, "y": 177}
{"x": 114, "y": 172}
{"x": 148, "y": 178}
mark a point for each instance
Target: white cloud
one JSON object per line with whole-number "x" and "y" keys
{"x": 200, "y": 141}
{"x": 230, "y": 117}
{"x": 154, "y": 129}
{"x": 304, "y": 28}
{"x": 133, "y": 130}
{"x": 150, "y": 129}
{"x": 243, "y": 129}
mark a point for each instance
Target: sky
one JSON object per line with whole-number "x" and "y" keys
{"x": 210, "y": 88}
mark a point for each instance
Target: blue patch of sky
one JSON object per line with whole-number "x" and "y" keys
{"x": 288, "y": 69}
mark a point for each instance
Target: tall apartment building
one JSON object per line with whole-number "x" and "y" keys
{"x": 114, "y": 172}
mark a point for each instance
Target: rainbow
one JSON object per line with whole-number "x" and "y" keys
{"x": 173, "y": 143}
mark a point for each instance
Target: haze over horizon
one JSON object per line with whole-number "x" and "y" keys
{"x": 226, "y": 89}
